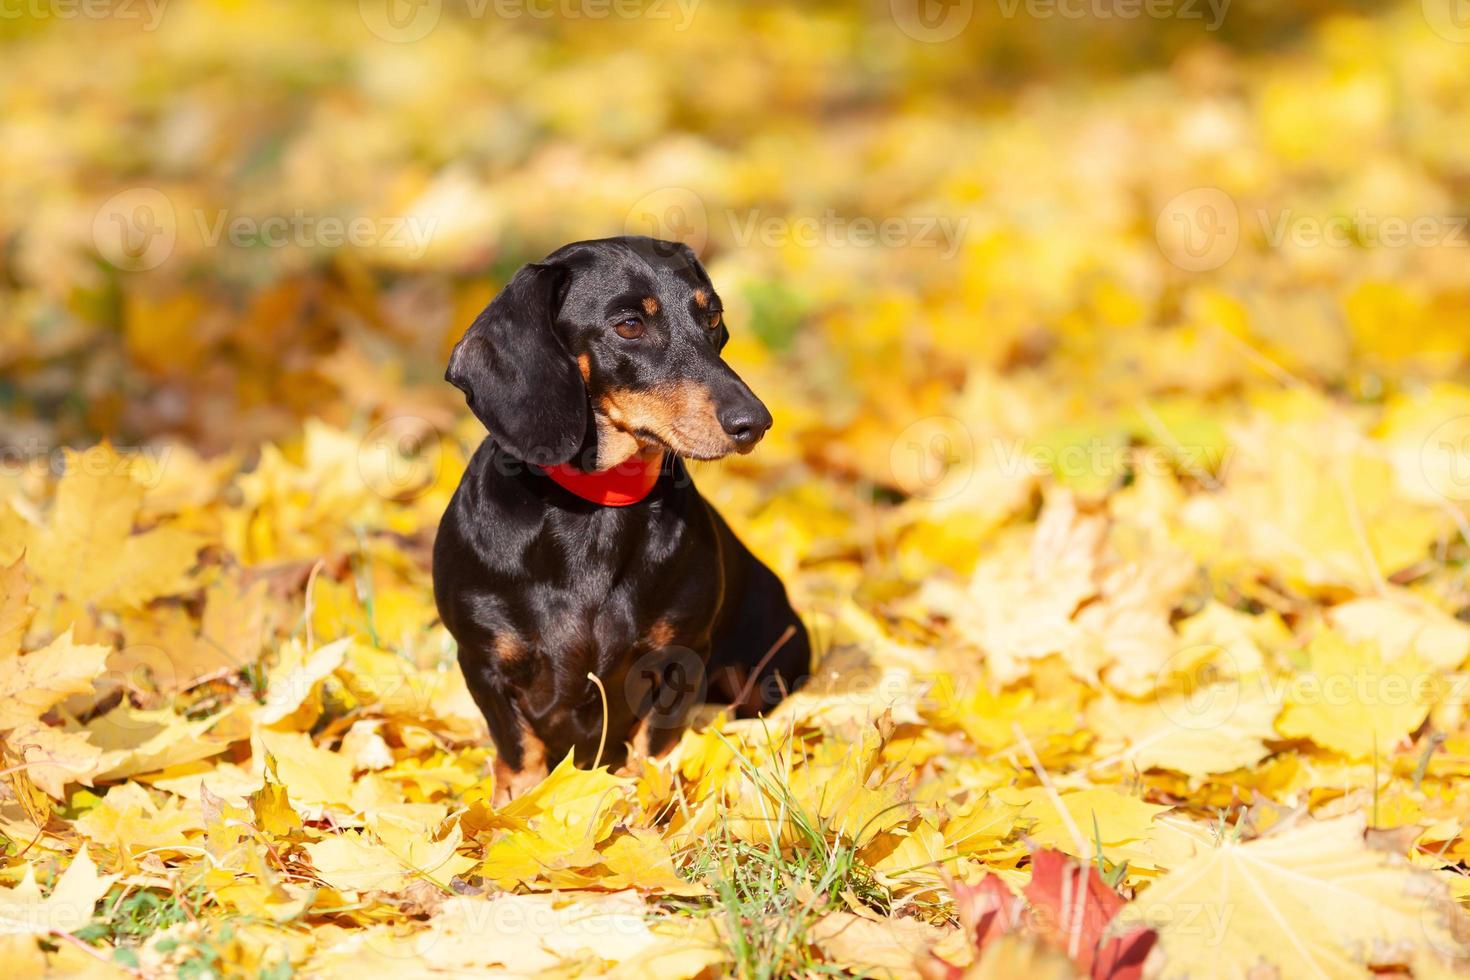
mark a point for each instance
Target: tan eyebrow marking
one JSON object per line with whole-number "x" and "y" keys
{"x": 650, "y": 305}
{"x": 701, "y": 298}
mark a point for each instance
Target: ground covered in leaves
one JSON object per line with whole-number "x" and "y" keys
{"x": 1136, "y": 563}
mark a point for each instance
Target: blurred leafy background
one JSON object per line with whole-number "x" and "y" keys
{"x": 1049, "y": 144}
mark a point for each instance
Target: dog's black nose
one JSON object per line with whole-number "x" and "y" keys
{"x": 745, "y": 423}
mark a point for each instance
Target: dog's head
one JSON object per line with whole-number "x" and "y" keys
{"x": 607, "y": 348}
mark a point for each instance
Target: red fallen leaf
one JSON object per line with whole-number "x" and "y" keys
{"x": 1067, "y": 906}
{"x": 1074, "y": 910}
{"x": 987, "y": 910}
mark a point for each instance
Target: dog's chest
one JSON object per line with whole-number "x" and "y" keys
{"x": 628, "y": 582}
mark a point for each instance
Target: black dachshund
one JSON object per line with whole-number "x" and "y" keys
{"x": 576, "y": 545}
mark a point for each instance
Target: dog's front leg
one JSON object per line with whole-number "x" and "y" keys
{"x": 676, "y": 684}
{"x": 650, "y": 739}
{"x": 518, "y": 767}
{"x": 520, "y": 755}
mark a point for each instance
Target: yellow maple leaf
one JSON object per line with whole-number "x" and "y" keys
{"x": 886, "y": 947}
{"x": 88, "y": 551}
{"x": 32, "y": 684}
{"x": 910, "y": 860}
{"x": 1402, "y": 622}
{"x": 424, "y": 846}
{"x": 65, "y": 910}
{"x": 1086, "y": 817}
{"x": 1214, "y": 728}
{"x": 388, "y": 860}
{"x": 315, "y": 777}
{"x": 640, "y": 859}
{"x": 271, "y": 807}
{"x": 556, "y": 826}
{"x": 527, "y": 934}
{"x": 1313, "y": 900}
{"x": 846, "y": 789}
{"x": 165, "y": 650}
{"x": 586, "y": 800}
{"x": 547, "y": 853}
{"x": 981, "y": 825}
{"x": 1351, "y": 701}
{"x": 135, "y": 741}
{"x": 293, "y": 699}
{"x": 52, "y": 757}
{"x": 15, "y": 607}
{"x": 1314, "y": 503}
{"x": 129, "y": 820}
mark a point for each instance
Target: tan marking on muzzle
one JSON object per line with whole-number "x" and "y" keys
{"x": 584, "y": 364}
{"x": 679, "y": 415}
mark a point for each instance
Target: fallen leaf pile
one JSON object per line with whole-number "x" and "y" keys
{"x": 1138, "y": 570}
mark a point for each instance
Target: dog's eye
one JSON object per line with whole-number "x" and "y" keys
{"x": 714, "y": 320}
{"x": 629, "y": 328}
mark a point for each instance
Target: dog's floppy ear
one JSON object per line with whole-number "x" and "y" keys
{"x": 517, "y": 375}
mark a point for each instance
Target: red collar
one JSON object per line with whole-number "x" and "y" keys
{"x": 626, "y": 483}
